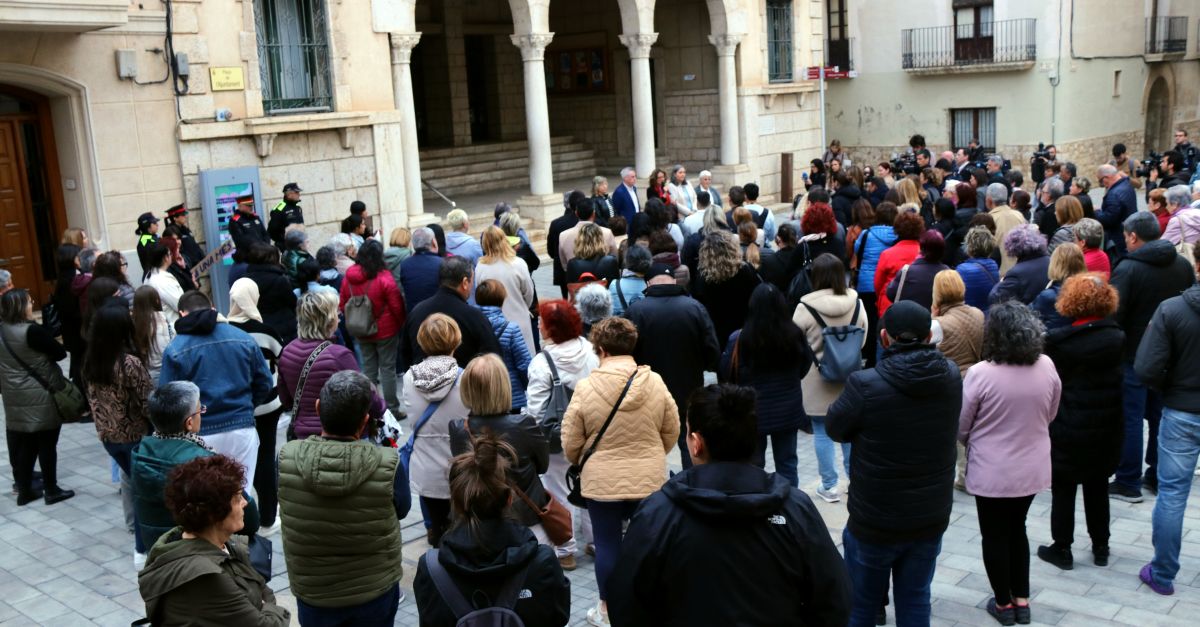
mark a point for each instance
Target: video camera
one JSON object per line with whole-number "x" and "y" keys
{"x": 1041, "y": 153}
{"x": 1148, "y": 164}
{"x": 906, "y": 163}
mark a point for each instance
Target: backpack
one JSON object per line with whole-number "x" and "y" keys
{"x": 843, "y": 347}
{"x": 360, "y": 314}
{"x": 499, "y": 614}
{"x": 555, "y": 408}
{"x": 801, "y": 283}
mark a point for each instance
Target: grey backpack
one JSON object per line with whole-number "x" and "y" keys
{"x": 360, "y": 314}
{"x": 843, "y": 347}
{"x": 499, "y": 613}
{"x": 555, "y": 408}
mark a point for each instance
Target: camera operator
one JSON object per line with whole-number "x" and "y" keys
{"x": 917, "y": 143}
{"x": 1184, "y": 146}
{"x": 1043, "y": 157}
{"x": 1169, "y": 173}
{"x": 1124, "y": 164}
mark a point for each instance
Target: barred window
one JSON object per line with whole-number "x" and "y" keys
{"x": 779, "y": 41}
{"x": 293, "y": 55}
{"x": 968, "y": 124}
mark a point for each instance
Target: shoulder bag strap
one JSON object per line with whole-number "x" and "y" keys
{"x": 312, "y": 359}
{"x": 33, "y": 373}
{"x": 900, "y": 287}
{"x": 854, "y": 319}
{"x": 430, "y": 410}
{"x": 816, "y": 316}
{"x": 446, "y": 586}
{"x": 733, "y": 361}
{"x": 621, "y": 294}
{"x": 611, "y": 415}
{"x": 554, "y": 379}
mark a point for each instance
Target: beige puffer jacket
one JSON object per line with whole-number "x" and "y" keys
{"x": 631, "y": 460}
{"x": 836, "y": 311}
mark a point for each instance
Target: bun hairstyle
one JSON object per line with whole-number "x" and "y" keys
{"x": 725, "y": 416}
{"x": 479, "y": 487}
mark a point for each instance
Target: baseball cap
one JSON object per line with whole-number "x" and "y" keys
{"x": 147, "y": 219}
{"x": 906, "y": 322}
{"x": 291, "y": 187}
{"x": 659, "y": 269}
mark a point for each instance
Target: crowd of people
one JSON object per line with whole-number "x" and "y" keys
{"x": 943, "y": 329}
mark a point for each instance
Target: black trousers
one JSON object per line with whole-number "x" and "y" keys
{"x": 871, "y": 310}
{"x": 1005, "y": 545}
{"x": 266, "y": 471}
{"x": 1095, "y": 507}
{"x": 24, "y": 449}
{"x": 438, "y": 511}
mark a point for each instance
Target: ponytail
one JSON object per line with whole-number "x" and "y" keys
{"x": 479, "y": 488}
{"x": 748, "y": 235}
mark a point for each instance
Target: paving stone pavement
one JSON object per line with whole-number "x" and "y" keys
{"x": 71, "y": 563}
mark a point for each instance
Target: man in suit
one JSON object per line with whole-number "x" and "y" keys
{"x": 557, "y": 226}
{"x": 585, "y": 211}
{"x": 705, "y": 185}
{"x": 624, "y": 198}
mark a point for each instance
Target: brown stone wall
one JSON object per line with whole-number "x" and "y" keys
{"x": 690, "y": 131}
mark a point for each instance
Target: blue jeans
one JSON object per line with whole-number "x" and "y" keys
{"x": 608, "y": 517}
{"x": 783, "y": 446}
{"x": 378, "y": 612}
{"x": 123, "y": 455}
{"x": 1140, "y": 404}
{"x": 826, "y": 455}
{"x": 1178, "y": 448}
{"x": 910, "y": 566}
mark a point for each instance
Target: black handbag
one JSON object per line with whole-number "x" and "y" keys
{"x": 575, "y": 471}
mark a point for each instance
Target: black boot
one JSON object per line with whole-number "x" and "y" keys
{"x": 25, "y": 497}
{"x": 58, "y": 495}
{"x": 36, "y": 482}
{"x": 1100, "y": 555}
{"x": 1058, "y": 555}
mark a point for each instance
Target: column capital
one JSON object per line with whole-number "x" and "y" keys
{"x": 533, "y": 45}
{"x": 639, "y": 44}
{"x": 402, "y": 45}
{"x": 726, "y": 44}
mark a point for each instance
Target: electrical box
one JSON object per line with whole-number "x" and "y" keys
{"x": 181, "y": 64}
{"x": 219, "y": 194}
{"x": 126, "y": 63}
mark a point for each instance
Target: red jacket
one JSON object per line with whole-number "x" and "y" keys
{"x": 386, "y": 302}
{"x": 890, "y": 262}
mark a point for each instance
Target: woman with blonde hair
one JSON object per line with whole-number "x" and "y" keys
{"x": 601, "y": 201}
{"x": 914, "y": 195}
{"x": 628, "y": 462}
{"x": 591, "y": 256}
{"x": 1066, "y": 262}
{"x": 77, "y": 237}
{"x": 724, "y": 283}
{"x": 501, "y": 264}
{"x": 1067, "y": 211}
{"x": 487, "y": 396}
{"x": 432, "y": 395}
{"x": 399, "y": 249}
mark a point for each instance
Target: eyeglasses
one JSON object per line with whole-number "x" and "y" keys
{"x": 200, "y": 412}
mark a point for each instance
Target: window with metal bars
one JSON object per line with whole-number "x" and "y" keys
{"x": 779, "y": 41}
{"x": 293, "y": 55}
{"x": 978, "y": 124}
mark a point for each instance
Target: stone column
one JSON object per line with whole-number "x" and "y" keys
{"x": 537, "y": 112}
{"x": 402, "y": 93}
{"x": 726, "y": 46}
{"x": 643, "y": 102}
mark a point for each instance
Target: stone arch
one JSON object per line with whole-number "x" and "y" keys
{"x": 1157, "y": 107}
{"x": 71, "y": 117}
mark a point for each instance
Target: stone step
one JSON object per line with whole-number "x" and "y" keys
{"x": 508, "y": 159}
{"x": 506, "y": 178}
{"x": 433, "y": 154}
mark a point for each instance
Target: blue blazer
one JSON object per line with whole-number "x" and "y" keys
{"x": 624, "y": 204}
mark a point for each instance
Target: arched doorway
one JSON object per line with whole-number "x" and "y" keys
{"x": 1158, "y": 116}
{"x": 31, "y": 207}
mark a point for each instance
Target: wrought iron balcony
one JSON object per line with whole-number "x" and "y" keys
{"x": 1166, "y": 35}
{"x": 1008, "y": 44}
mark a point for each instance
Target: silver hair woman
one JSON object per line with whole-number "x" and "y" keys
{"x": 594, "y": 304}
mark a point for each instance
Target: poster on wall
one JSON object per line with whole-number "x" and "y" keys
{"x": 579, "y": 70}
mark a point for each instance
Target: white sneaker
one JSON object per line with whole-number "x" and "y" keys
{"x": 597, "y": 616}
{"x": 273, "y": 528}
{"x": 830, "y": 495}
{"x": 139, "y": 561}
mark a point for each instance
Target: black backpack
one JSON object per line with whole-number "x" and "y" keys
{"x": 801, "y": 283}
{"x": 499, "y": 614}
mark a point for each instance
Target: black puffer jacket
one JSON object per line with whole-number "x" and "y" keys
{"x": 902, "y": 418}
{"x": 276, "y": 300}
{"x": 675, "y": 338}
{"x": 533, "y": 455}
{"x": 750, "y": 521}
{"x": 481, "y": 564}
{"x": 1144, "y": 279}
{"x": 843, "y": 199}
{"x": 1167, "y": 358}
{"x": 1085, "y": 437}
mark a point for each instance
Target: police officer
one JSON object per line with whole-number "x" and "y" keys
{"x": 245, "y": 227}
{"x": 188, "y": 247}
{"x": 147, "y": 232}
{"x": 287, "y": 212}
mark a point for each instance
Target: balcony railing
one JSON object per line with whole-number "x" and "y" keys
{"x": 840, "y": 53}
{"x": 987, "y": 43}
{"x": 1165, "y": 35}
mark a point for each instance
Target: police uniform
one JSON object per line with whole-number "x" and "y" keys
{"x": 285, "y": 213}
{"x": 188, "y": 247}
{"x": 143, "y": 248}
{"x": 246, "y": 229}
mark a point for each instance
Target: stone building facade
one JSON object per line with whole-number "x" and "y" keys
{"x": 1081, "y": 75}
{"x": 108, "y": 108}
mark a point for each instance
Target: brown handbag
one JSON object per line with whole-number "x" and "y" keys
{"x": 556, "y": 520}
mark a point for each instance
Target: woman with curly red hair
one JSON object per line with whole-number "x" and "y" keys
{"x": 819, "y": 234}
{"x": 568, "y": 357}
{"x": 199, "y": 571}
{"x": 1086, "y": 435}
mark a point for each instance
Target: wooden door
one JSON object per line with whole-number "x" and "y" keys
{"x": 18, "y": 246}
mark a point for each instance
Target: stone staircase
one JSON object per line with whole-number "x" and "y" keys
{"x": 498, "y": 166}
